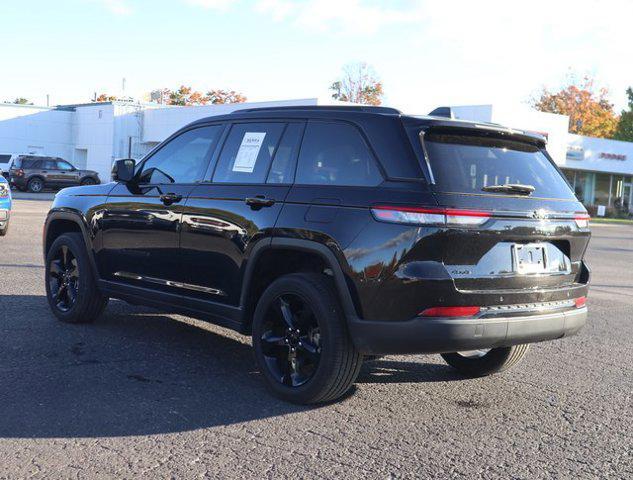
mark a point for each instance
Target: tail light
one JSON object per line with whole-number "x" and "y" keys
{"x": 19, "y": 172}
{"x": 581, "y": 302}
{"x": 450, "y": 312}
{"x": 432, "y": 216}
{"x": 582, "y": 220}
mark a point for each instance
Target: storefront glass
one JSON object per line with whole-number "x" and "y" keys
{"x": 601, "y": 192}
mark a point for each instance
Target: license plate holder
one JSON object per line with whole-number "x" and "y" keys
{"x": 529, "y": 258}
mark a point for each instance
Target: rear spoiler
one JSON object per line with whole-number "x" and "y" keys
{"x": 489, "y": 130}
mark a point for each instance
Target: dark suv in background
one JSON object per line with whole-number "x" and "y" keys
{"x": 34, "y": 173}
{"x": 334, "y": 233}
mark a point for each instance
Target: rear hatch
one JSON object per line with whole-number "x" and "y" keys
{"x": 513, "y": 222}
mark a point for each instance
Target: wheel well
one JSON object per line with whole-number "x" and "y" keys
{"x": 57, "y": 228}
{"x": 35, "y": 176}
{"x": 273, "y": 264}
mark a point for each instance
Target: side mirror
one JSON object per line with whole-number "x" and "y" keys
{"x": 123, "y": 170}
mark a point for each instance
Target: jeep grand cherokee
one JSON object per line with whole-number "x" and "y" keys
{"x": 333, "y": 233}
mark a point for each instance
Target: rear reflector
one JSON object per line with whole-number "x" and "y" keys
{"x": 581, "y": 302}
{"x": 450, "y": 312}
{"x": 582, "y": 220}
{"x": 429, "y": 216}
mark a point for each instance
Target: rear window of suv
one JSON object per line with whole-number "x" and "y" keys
{"x": 27, "y": 163}
{"x": 467, "y": 163}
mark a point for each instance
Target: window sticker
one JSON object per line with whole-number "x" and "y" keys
{"x": 248, "y": 152}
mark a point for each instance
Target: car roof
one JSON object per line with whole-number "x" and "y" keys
{"x": 365, "y": 113}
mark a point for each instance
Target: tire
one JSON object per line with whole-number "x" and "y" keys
{"x": 79, "y": 301}
{"x": 486, "y": 362}
{"x": 87, "y": 181}
{"x": 372, "y": 358}
{"x": 35, "y": 185}
{"x": 326, "y": 363}
{"x": 5, "y": 230}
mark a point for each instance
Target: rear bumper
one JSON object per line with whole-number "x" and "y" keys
{"x": 17, "y": 181}
{"x": 442, "y": 335}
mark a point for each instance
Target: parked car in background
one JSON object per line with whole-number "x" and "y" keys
{"x": 5, "y": 164}
{"x": 34, "y": 173}
{"x": 334, "y": 233}
{"x": 5, "y": 206}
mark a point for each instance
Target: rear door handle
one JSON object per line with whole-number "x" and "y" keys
{"x": 259, "y": 202}
{"x": 169, "y": 198}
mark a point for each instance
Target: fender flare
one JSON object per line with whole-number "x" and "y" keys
{"x": 324, "y": 252}
{"x": 79, "y": 219}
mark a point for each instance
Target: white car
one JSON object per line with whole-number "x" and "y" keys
{"x": 6, "y": 159}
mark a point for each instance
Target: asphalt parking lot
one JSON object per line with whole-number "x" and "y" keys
{"x": 152, "y": 395}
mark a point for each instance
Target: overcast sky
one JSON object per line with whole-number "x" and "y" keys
{"x": 427, "y": 53}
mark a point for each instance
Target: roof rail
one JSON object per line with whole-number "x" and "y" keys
{"x": 345, "y": 108}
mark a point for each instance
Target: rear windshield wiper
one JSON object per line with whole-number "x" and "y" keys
{"x": 510, "y": 188}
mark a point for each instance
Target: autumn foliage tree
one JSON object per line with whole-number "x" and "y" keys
{"x": 104, "y": 97}
{"x": 19, "y": 101}
{"x": 624, "y": 131}
{"x": 187, "y": 96}
{"x": 358, "y": 84}
{"x": 224, "y": 96}
{"x": 590, "y": 112}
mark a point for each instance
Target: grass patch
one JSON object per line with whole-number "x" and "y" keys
{"x": 623, "y": 221}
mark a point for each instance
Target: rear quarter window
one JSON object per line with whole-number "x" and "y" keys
{"x": 468, "y": 163}
{"x": 29, "y": 163}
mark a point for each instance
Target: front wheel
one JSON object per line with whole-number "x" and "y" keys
{"x": 71, "y": 289}
{"x": 479, "y": 363}
{"x": 301, "y": 342}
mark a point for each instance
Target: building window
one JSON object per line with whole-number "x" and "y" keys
{"x": 602, "y": 189}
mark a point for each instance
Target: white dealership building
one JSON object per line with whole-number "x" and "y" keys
{"x": 93, "y": 135}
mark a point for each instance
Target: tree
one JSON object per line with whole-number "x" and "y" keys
{"x": 225, "y": 96}
{"x": 624, "y": 130}
{"x": 104, "y": 97}
{"x": 590, "y": 112}
{"x": 20, "y": 101}
{"x": 187, "y": 96}
{"x": 358, "y": 84}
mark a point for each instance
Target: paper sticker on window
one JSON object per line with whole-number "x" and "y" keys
{"x": 248, "y": 152}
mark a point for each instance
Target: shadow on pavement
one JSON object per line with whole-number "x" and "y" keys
{"x": 391, "y": 371}
{"x": 136, "y": 372}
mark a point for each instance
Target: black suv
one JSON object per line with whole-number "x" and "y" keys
{"x": 34, "y": 173}
{"x": 334, "y": 233}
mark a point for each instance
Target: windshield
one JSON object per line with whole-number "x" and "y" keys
{"x": 467, "y": 163}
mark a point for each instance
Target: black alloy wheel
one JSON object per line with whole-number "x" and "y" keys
{"x": 64, "y": 278}
{"x": 300, "y": 339}
{"x": 291, "y": 340}
{"x": 71, "y": 288}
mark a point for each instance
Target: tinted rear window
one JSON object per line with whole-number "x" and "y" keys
{"x": 5, "y": 158}
{"x": 467, "y": 163}
{"x": 27, "y": 162}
